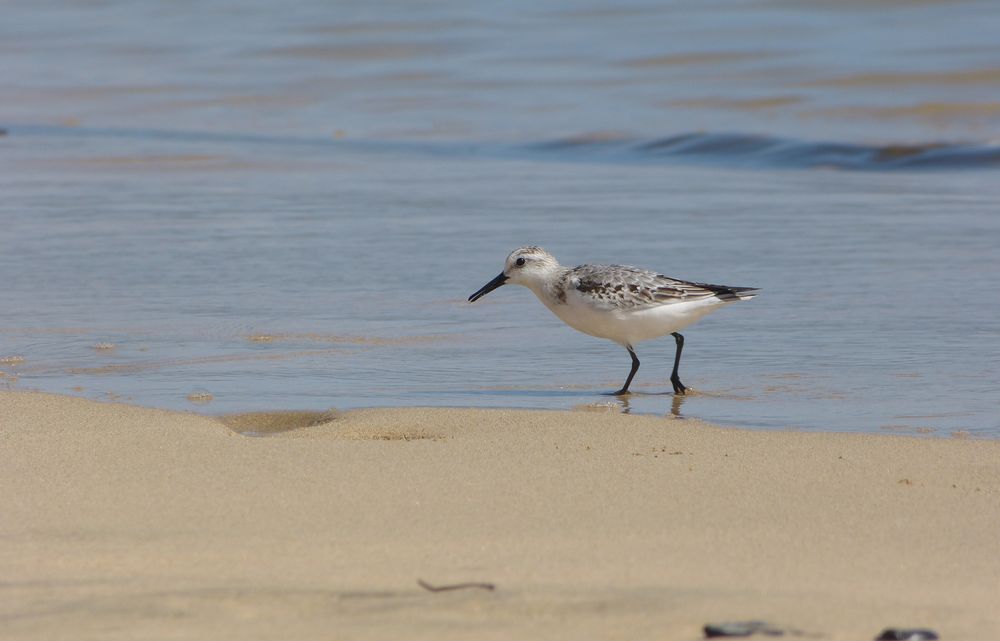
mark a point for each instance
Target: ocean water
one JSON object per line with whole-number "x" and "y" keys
{"x": 234, "y": 206}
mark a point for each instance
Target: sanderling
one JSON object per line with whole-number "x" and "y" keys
{"x": 623, "y": 304}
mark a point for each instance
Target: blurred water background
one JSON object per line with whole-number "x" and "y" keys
{"x": 244, "y": 205}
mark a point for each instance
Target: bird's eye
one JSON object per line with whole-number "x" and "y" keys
{"x": 519, "y": 262}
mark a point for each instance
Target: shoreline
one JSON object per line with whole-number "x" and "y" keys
{"x": 127, "y": 522}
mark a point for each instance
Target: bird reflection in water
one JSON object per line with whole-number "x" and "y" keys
{"x": 676, "y": 401}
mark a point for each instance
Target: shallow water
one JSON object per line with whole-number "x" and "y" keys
{"x": 233, "y": 207}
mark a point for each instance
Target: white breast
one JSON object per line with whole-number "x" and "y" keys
{"x": 627, "y": 326}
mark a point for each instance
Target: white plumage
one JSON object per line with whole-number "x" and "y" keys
{"x": 620, "y": 303}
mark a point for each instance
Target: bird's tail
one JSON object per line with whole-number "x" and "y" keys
{"x": 727, "y": 293}
{"x": 744, "y": 293}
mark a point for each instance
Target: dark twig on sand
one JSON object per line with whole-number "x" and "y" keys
{"x": 454, "y": 586}
{"x": 741, "y": 629}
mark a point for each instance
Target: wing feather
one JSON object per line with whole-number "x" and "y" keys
{"x": 627, "y": 287}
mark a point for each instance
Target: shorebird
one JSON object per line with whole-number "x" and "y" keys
{"x": 617, "y": 302}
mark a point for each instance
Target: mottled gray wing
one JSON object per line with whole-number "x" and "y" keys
{"x": 633, "y": 288}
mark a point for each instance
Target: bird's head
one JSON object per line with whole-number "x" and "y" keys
{"x": 528, "y": 266}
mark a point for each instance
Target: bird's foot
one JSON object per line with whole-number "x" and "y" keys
{"x": 678, "y": 386}
{"x": 622, "y": 392}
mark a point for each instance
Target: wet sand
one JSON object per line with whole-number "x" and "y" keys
{"x": 122, "y": 522}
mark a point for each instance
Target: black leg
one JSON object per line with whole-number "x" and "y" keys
{"x": 674, "y": 377}
{"x": 631, "y": 375}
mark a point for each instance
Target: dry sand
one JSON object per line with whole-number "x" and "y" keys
{"x": 128, "y": 523}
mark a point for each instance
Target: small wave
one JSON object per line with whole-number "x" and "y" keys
{"x": 773, "y": 152}
{"x": 723, "y": 149}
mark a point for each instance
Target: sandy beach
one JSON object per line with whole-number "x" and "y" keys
{"x": 122, "y": 522}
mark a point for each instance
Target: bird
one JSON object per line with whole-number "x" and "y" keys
{"x": 620, "y": 303}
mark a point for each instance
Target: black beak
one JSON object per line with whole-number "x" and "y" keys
{"x": 488, "y": 287}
